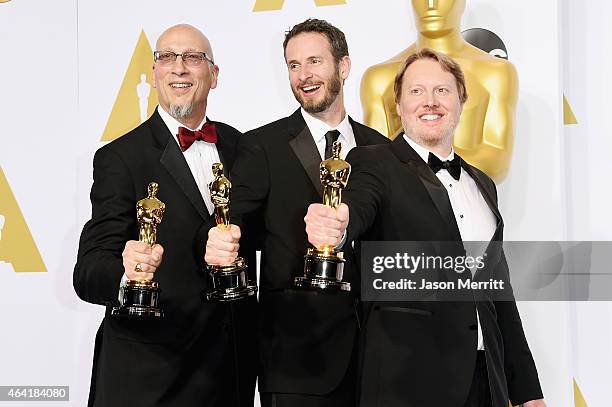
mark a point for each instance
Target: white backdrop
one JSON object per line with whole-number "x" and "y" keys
{"x": 62, "y": 69}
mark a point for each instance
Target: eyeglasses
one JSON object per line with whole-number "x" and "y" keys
{"x": 166, "y": 58}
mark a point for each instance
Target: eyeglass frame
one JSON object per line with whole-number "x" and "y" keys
{"x": 176, "y": 55}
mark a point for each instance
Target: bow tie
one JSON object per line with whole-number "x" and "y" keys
{"x": 453, "y": 166}
{"x": 187, "y": 137}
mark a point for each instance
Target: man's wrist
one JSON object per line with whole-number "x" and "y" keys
{"x": 342, "y": 241}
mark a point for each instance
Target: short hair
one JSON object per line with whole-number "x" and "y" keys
{"x": 446, "y": 63}
{"x": 336, "y": 38}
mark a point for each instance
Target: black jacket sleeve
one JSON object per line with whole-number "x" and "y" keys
{"x": 99, "y": 266}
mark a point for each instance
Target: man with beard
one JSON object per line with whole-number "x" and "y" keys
{"x": 307, "y": 338}
{"x": 197, "y": 354}
{"x": 417, "y": 189}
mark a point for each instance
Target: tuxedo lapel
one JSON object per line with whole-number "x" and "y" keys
{"x": 432, "y": 184}
{"x": 304, "y": 147}
{"x": 173, "y": 160}
{"x": 486, "y": 192}
{"x": 225, "y": 150}
{"x": 360, "y": 138}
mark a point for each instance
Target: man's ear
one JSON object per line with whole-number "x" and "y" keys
{"x": 214, "y": 73}
{"x": 344, "y": 67}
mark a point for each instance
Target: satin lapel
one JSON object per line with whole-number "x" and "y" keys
{"x": 494, "y": 252}
{"x": 432, "y": 184}
{"x": 304, "y": 147}
{"x": 486, "y": 192}
{"x": 173, "y": 160}
{"x": 223, "y": 156}
{"x": 360, "y": 139}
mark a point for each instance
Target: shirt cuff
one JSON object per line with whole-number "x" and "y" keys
{"x": 342, "y": 241}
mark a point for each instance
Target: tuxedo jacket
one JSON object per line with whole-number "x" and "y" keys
{"x": 423, "y": 353}
{"x": 200, "y": 353}
{"x": 306, "y": 337}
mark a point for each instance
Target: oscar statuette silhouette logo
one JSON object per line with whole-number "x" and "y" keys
{"x": 143, "y": 89}
{"x": 229, "y": 282}
{"x": 324, "y": 266}
{"x": 137, "y": 98}
{"x": 139, "y": 298}
{"x": 18, "y": 250}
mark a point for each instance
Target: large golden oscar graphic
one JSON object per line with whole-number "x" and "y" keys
{"x": 138, "y": 298}
{"x": 229, "y": 282}
{"x": 485, "y": 135}
{"x": 324, "y": 265}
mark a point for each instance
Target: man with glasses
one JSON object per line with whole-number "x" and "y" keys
{"x": 199, "y": 354}
{"x": 307, "y": 338}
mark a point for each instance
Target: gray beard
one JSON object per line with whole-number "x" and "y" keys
{"x": 181, "y": 112}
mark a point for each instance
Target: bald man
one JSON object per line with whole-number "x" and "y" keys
{"x": 199, "y": 354}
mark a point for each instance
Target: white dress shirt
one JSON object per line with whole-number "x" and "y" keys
{"x": 200, "y": 157}
{"x": 319, "y": 128}
{"x": 474, "y": 218}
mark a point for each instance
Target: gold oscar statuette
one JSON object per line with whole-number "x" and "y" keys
{"x": 324, "y": 265}
{"x": 229, "y": 282}
{"x": 138, "y": 298}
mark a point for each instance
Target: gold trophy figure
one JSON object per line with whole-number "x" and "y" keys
{"x": 324, "y": 266}
{"x": 220, "y": 190}
{"x": 229, "y": 282}
{"x": 485, "y": 135}
{"x": 138, "y": 298}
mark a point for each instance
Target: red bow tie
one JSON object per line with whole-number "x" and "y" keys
{"x": 187, "y": 137}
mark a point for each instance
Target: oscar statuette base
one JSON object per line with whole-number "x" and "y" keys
{"x": 230, "y": 283}
{"x": 138, "y": 299}
{"x": 323, "y": 269}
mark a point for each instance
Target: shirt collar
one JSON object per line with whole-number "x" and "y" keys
{"x": 173, "y": 124}
{"x": 423, "y": 152}
{"x": 318, "y": 128}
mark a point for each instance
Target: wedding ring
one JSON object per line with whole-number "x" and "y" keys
{"x": 138, "y": 268}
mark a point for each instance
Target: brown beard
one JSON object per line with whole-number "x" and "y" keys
{"x": 332, "y": 90}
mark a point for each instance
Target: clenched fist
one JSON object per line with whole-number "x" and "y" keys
{"x": 140, "y": 261}
{"x": 222, "y": 245}
{"x": 325, "y": 225}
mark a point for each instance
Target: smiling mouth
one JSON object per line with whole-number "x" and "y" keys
{"x": 430, "y": 117}
{"x": 310, "y": 89}
{"x": 180, "y": 85}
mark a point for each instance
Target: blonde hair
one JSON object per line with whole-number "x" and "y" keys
{"x": 446, "y": 63}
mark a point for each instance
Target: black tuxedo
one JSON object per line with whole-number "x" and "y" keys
{"x": 423, "y": 353}
{"x": 306, "y": 337}
{"x": 200, "y": 353}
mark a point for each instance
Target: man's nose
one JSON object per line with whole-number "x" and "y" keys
{"x": 431, "y": 100}
{"x": 178, "y": 67}
{"x": 305, "y": 73}
{"x": 432, "y": 4}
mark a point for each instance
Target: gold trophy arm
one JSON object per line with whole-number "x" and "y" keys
{"x": 372, "y": 92}
{"x": 493, "y": 155}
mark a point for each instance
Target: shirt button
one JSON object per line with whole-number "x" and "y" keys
{"x": 450, "y": 185}
{"x": 461, "y": 216}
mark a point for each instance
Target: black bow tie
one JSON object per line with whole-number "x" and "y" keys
{"x": 453, "y": 166}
